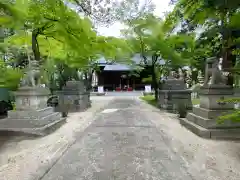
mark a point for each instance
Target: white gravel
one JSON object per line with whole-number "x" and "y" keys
{"x": 207, "y": 159}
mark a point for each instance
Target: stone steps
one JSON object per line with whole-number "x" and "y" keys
{"x": 36, "y": 126}
{"x": 30, "y": 114}
{"x": 210, "y": 123}
{"x": 233, "y": 133}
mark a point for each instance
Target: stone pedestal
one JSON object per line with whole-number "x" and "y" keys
{"x": 32, "y": 114}
{"x": 173, "y": 91}
{"x": 203, "y": 119}
{"x": 74, "y": 97}
{"x": 171, "y": 98}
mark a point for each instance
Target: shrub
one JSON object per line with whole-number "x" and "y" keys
{"x": 234, "y": 116}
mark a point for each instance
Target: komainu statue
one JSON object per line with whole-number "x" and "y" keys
{"x": 31, "y": 77}
{"x": 200, "y": 77}
{"x": 181, "y": 74}
{"x": 213, "y": 75}
{"x": 172, "y": 75}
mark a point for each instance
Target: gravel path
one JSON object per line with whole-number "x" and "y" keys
{"x": 207, "y": 159}
{"x": 120, "y": 138}
{"x": 23, "y": 158}
{"x": 132, "y": 140}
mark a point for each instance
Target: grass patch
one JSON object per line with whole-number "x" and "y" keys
{"x": 150, "y": 100}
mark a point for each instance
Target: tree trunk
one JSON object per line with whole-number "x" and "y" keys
{"x": 154, "y": 81}
{"x": 229, "y": 59}
{"x": 88, "y": 80}
{"x": 35, "y": 46}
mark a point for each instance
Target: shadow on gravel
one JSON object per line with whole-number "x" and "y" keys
{"x": 15, "y": 137}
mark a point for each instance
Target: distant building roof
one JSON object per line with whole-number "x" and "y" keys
{"x": 102, "y": 60}
{"x": 136, "y": 60}
{"x": 117, "y": 67}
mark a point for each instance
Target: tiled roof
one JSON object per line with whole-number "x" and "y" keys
{"x": 117, "y": 67}
{"x": 102, "y": 60}
{"x": 136, "y": 60}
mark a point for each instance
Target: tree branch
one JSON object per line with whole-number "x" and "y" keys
{"x": 154, "y": 58}
{"x": 43, "y": 28}
{"x": 48, "y": 36}
{"x": 51, "y": 19}
{"x": 85, "y": 11}
{"x": 71, "y": 33}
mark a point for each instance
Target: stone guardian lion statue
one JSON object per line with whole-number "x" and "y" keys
{"x": 213, "y": 75}
{"x": 31, "y": 77}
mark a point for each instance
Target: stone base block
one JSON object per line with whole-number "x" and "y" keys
{"x": 30, "y": 114}
{"x": 209, "y": 113}
{"x": 210, "y": 123}
{"x": 210, "y": 96}
{"x": 73, "y": 107}
{"x": 78, "y": 108}
{"x": 41, "y": 124}
{"x": 73, "y": 102}
{"x": 169, "y": 99}
{"x": 207, "y": 118}
{"x": 227, "y": 133}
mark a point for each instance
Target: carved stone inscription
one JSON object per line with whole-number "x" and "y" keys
{"x": 25, "y": 102}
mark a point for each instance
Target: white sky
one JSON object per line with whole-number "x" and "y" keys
{"x": 114, "y": 30}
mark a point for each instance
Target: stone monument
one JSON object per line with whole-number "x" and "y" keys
{"x": 74, "y": 97}
{"x": 173, "y": 91}
{"x": 32, "y": 114}
{"x": 203, "y": 119}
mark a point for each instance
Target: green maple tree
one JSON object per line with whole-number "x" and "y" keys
{"x": 219, "y": 24}
{"x": 147, "y": 36}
